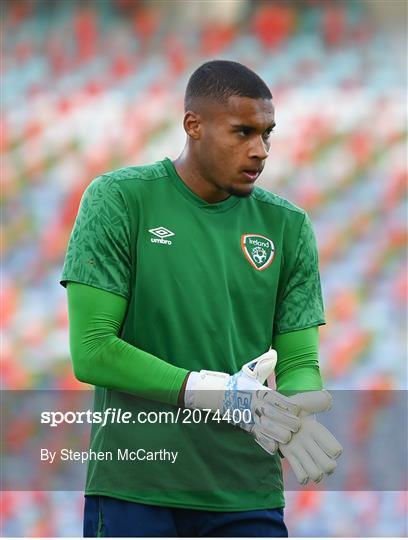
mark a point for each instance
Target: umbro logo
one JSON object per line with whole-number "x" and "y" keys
{"x": 162, "y": 233}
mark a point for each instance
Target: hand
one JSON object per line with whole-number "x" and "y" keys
{"x": 313, "y": 450}
{"x": 273, "y": 418}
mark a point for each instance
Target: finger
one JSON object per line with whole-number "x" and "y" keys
{"x": 322, "y": 460}
{"x": 267, "y": 443}
{"x": 271, "y": 414}
{"x": 308, "y": 464}
{"x": 313, "y": 402}
{"x": 300, "y": 473}
{"x": 280, "y": 402}
{"x": 274, "y": 430}
{"x": 326, "y": 440}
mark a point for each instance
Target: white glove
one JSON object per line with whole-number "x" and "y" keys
{"x": 272, "y": 417}
{"x": 312, "y": 451}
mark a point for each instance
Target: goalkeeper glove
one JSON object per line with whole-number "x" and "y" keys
{"x": 313, "y": 450}
{"x": 273, "y": 418}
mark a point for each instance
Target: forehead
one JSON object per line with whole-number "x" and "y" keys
{"x": 257, "y": 113}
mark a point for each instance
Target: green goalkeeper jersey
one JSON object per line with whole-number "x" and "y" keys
{"x": 208, "y": 287}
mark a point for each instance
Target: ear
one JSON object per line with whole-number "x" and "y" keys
{"x": 192, "y": 124}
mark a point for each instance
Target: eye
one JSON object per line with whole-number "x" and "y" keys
{"x": 244, "y": 132}
{"x": 268, "y": 132}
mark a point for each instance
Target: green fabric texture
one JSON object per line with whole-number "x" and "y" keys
{"x": 95, "y": 319}
{"x": 103, "y": 359}
{"x": 208, "y": 286}
{"x": 297, "y": 369}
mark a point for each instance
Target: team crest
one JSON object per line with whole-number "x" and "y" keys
{"x": 258, "y": 249}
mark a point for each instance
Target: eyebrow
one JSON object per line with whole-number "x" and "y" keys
{"x": 245, "y": 126}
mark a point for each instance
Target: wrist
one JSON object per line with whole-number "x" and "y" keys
{"x": 181, "y": 395}
{"x": 205, "y": 389}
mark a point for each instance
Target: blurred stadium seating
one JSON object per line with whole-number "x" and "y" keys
{"x": 91, "y": 86}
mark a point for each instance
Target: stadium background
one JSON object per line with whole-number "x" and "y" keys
{"x": 91, "y": 86}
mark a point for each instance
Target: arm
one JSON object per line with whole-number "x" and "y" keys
{"x": 101, "y": 358}
{"x": 312, "y": 451}
{"x": 297, "y": 369}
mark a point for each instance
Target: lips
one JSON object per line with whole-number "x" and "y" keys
{"x": 251, "y": 174}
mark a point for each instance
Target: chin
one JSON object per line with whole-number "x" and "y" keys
{"x": 241, "y": 191}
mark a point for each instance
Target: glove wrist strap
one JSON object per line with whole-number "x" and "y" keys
{"x": 205, "y": 390}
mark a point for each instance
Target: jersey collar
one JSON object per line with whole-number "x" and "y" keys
{"x": 195, "y": 199}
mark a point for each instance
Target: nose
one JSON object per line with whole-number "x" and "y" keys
{"x": 259, "y": 149}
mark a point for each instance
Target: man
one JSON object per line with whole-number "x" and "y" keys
{"x": 178, "y": 274}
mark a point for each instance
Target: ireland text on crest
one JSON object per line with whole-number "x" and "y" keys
{"x": 259, "y": 250}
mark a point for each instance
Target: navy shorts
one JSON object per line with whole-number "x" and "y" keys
{"x": 107, "y": 517}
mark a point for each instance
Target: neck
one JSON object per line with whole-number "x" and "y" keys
{"x": 189, "y": 171}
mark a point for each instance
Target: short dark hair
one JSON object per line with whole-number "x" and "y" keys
{"x": 221, "y": 79}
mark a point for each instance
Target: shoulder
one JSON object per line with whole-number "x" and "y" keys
{"x": 123, "y": 181}
{"x": 130, "y": 176}
{"x": 151, "y": 172}
{"x": 277, "y": 203}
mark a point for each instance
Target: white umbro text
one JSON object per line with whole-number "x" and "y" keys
{"x": 162, "y": 233}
